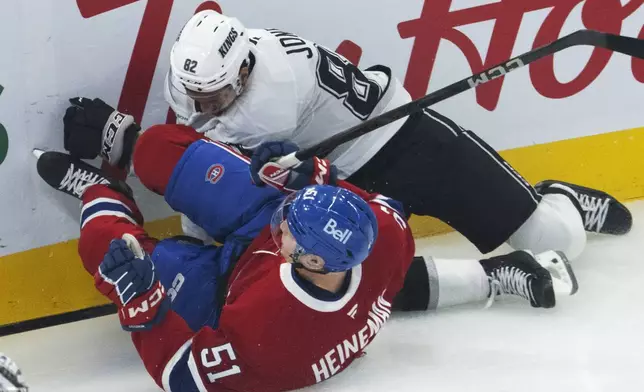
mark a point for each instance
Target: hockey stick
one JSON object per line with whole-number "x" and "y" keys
{"x": 631, "y": 46}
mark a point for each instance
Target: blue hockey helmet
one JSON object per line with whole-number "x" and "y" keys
{"x": 330, "y": 222}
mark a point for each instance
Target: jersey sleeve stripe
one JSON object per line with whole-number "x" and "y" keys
{"x": 231, "y": 150}
{"x": 104, "y": 207}
{"x": 192, "y": 365}
{"x": 169, "y": 367}
{"x": 390, "y": 203}
{"x": 104, "y": 200}
{"x": 108, "y": 213}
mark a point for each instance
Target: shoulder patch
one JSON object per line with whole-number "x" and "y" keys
{"x": 214, "y": 173}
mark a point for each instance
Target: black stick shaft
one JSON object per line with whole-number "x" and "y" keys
{"x": 631, "y": 46}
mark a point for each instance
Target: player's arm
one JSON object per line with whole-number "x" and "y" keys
{"x": 176, "y": 357}
{"x": 188, "y": 361}
{"x": 395, "y": 246}
{"x": 264, "y": 170}
{"x": 108, "y": 214}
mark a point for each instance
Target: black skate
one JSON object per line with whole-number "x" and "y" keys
{"x": 535, "y": 278}
{"x": 600, "y": 212}
{"x": 67, "y": 174}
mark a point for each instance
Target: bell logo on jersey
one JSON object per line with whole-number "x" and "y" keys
{"x": 228, "y": 43}
{"x": 338, "y": 234}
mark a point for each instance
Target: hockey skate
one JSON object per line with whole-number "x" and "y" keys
{"x": 11, "y": 378}
{"x": 600, "y": 212}
{"x": 70, "y": 175}
{"x": 537, "y": 279}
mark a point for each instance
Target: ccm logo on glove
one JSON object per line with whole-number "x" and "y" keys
{"x": 112, "y": 128}
{"x": 147, "y": 304}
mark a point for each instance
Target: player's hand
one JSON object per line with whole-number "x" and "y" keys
{"x": 310, "y": 172}
{"x": 127, "y": 277}
{"x": 266, "y": 153}
{"x": 93, "y": 128}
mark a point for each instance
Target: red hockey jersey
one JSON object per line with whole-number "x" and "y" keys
{"x": 273, "y": 335}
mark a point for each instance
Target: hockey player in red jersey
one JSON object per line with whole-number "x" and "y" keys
{"x": 303, "y": 301}
{"x": 300, "y": 302}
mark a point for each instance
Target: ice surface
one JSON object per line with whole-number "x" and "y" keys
{"x": 589, "y": 343}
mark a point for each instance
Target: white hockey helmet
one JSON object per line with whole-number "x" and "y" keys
{"x": 209, "y": 53}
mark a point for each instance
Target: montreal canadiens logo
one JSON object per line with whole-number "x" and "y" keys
{"x": 214, "y": 173}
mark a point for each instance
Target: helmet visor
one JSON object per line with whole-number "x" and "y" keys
{"x": 214, "y": 102}
{"x": 211, "y": 102}
{"x": 279, "y": 217}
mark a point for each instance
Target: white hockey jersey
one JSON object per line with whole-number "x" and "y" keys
{"x": 301, "y": 92}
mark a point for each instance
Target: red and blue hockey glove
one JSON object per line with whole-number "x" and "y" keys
{"x": 310, "y": 172}
{"x": 127, "y": 277}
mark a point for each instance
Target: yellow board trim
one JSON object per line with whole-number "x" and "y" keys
{"x": 51, "y": 280}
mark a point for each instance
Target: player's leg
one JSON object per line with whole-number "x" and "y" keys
{"x": 169, "y": 142}
{"x": 157, "y": 152}
{"x": 446, "y": 173}
{"x": 208, "y": 182}
{"x": 433, "y": 283}
{"x": 505, "y": 204}
{"x": 453, "y": 175}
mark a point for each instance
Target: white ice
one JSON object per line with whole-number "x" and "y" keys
{"x": 591, "y": 342}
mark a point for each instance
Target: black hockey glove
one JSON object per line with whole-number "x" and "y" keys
{"x": 94, "y": 128}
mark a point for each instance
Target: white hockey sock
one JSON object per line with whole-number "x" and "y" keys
{"x": 555, "y": 224}
{"x": 455, "y": 282}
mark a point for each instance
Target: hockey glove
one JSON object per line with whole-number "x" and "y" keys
{"x": 310, "y": 172}
{"x": 94, "y": 128}
{"x": 127, "y": 277}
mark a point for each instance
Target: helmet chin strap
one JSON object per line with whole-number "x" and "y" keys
{"x": 238, "y": 85}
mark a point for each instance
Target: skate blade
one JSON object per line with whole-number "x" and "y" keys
{"x": 564, "y": 281}
{"x": 37, "y": 152}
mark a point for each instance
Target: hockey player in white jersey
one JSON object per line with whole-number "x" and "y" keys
{"x": 249, "y": 86}
{"x": 246, "y": 86}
